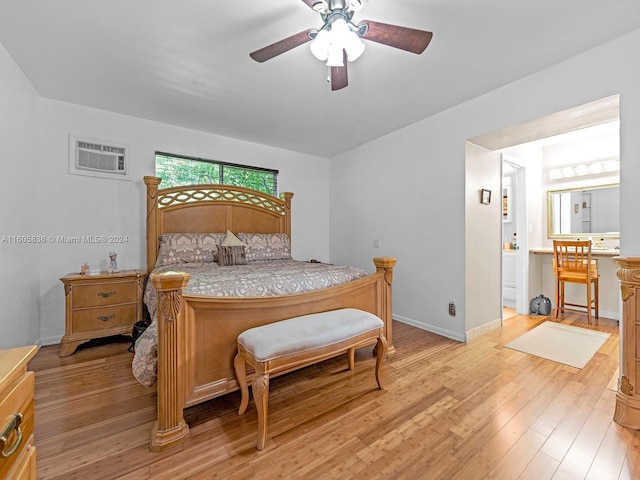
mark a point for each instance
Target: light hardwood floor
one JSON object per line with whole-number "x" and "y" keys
{"x": 450, "y": 411}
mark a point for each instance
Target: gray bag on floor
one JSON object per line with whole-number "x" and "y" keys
{"x": 540, "y": 305}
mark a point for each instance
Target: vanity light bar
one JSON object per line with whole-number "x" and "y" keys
{"x": 588, "y": 169}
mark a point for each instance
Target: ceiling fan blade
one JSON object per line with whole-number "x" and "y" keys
{"x": 404, "y": 38}
{"x": 339, "y": 76}
{"x": 275, "y": 49}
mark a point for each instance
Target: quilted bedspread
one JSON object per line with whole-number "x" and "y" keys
{"x": 255, "y": 279}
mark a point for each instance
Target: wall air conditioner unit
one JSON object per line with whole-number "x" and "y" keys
{"x": 98, "y": 158}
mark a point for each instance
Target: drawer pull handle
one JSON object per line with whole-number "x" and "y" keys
{"x": 104, "y": 318}
{"x": 14, "y": 424}
{"x": 106, "y": 294}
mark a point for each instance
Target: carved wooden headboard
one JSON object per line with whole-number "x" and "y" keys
{"x": 211, "y": 209}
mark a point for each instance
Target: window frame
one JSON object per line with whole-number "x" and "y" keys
{"x": 222, "y": 166}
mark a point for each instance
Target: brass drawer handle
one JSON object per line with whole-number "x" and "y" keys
{"x": 14, "y": 424}
{"x": 106, "y": 294}
{"x": 104, "y": 318}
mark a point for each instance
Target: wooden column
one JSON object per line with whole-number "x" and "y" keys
{"x": 627, "y": 411}
{"x": 385, "y": 265}
{"x": 286, "y": 197}
{"x": 170, "y": 429}
{"x": 152, "y": 184}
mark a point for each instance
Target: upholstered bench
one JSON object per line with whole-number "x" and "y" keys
{"x": 298, "y": 342}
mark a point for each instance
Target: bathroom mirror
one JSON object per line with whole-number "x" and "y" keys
{"x": 584, "y": 212}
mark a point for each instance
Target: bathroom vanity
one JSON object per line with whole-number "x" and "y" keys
{"x": 541, "y": 279}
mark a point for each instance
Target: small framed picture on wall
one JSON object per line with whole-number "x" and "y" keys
{"x": 485, "y": 196}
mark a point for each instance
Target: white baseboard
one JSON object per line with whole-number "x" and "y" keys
{"x": 51, "y": 340}
{"x": 470, "y": 335}
{"x": 430, "y": 328}
{"x": 608, "y": 314}
{"x": 482, "y": 329}
{"x": 602, "y": 314}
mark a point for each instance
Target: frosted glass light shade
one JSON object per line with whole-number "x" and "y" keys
{"x": 320, "y": 45}
{"x": 330, "y": 42}
{"x": 335, "y": 58}
{"x": 354, "y": 46}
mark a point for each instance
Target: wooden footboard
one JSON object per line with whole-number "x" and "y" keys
{"x": 197, "y": 337}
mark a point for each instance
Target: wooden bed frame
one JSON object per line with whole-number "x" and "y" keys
{"x": 197, "y": 335}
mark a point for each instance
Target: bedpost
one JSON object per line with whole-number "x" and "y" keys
{"x": 170, "y": 429}
{"x": 152, "y": 220}
{"x": 385, "y": 265}
{"x": 287, "y": 196}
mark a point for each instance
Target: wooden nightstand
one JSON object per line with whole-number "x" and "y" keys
{"x": 18, "y": 457}
{"x": 100, "y": 306}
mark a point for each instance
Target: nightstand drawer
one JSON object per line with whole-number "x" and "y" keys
{"x": 104, "y": 318}
{"x": 111, "y": 293}
{"x": 16, "y": 421}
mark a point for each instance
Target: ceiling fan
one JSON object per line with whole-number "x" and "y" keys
{"x": 338, "y": 41}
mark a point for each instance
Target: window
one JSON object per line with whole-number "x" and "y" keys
{"x": 179, "y": 170}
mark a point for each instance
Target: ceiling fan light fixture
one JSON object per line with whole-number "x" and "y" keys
{"x": 354, "y": 46}
{"x": 335, "y": 57}
{"x": 320, "y": 45}
{"x": 332, "y": 39}
{"x": 339, "y": 30}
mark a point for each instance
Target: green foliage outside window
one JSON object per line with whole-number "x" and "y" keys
{"x": 176, "y": 171}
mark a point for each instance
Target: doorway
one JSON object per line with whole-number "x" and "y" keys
{"x": 515, "y": 272}
{"x": 531, "y": 229}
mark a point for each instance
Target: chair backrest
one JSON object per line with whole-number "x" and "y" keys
{"x": 573, "y": 257}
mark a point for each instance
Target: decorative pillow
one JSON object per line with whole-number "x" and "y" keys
{"x": 231, "y": 255}
{"x": 266, "y": 246}
{"x": 177, "y": 248}
{"x": 231, "y": 240}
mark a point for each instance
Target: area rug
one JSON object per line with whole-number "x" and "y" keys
{"x": 561, "y": 343}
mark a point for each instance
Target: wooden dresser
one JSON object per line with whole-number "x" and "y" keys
{"x": 100, "y": 306}
{"x": 18, "y": 457}
{"x": 627, "y": 411}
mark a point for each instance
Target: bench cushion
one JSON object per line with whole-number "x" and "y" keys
{"x": 307, "y": 332}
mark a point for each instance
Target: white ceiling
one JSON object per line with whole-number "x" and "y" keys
{"x": 187, "y": 63}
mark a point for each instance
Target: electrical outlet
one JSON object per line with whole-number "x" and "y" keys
{"x": 376, "y": 243}
{"x": 452, "y": 308}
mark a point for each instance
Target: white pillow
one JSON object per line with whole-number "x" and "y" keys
{"x": 230, "y": 240}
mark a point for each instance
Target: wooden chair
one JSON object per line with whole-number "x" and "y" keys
{"x": 572, "y": 263}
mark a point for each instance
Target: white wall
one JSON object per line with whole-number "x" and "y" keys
{"x": 81, "y": 205}
{"x": 410, "y": 185}
{"x": 19, "y": 282}
{"x": 483, "y": 240}
{"x": 51, "y": 203}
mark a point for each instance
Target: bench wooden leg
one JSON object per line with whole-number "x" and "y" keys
{"x": 352, "y": 358}
{"x": 260, "y": 389}
{"x": 381, "y": 352}
{"x": 241, "y": 374}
